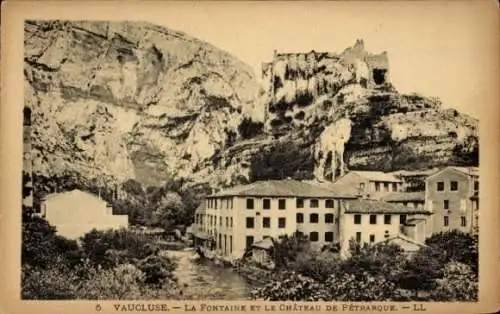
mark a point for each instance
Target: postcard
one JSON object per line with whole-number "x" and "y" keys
{"x": 290, "y": 157}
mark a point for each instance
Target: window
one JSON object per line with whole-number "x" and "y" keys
{"x": 313, "y": 218}
{"x": 377, "y": 186}
{"x": 249, "y": 203}
{"x": 476, "y": 185}
{"x": 373, "y": 219}
{"x": 227, "y": 221}
{"x": 314, "y": 203}
{"x": 402, "y": 219}
{"x": 231, "y": 221}
{"x": 230, "y": 244}
{"x": 250, "y": 222}
{"x": 313, "y": 236}
{"x": 249, "y": 241}
{"x": 266, "y": 222}
{"x": 358, "y": 236}
{"x": 300, "y": 203}
{"x": 440, "y": 186}
{"x": 386, "y": 234}
{"x": 216, "y": 204}
{"x": 387, "y": 219}
{"x": 463, "y": 221}
{"x": 362, "y": 186}
{"x": 281, "y": 222}
{"x": 453, "y": 185}
{"x": 357, "y": 219}
{"x": 386, "y": 186}
{"x": 446, "y": 204}
{"x": 282, "y": 203}
{"x": 328, "y": 236}
{"x": 372, "y": 238}
{"x": 300, "y": 218}
{"x": 220, "y": 241}
{"x": 394, "y": 187}
{"x": 446, "y": 221}
{"x": 220, "y": 221}
{"x": 329, "y": 218}
{"x": 266, "y": 203}
{"x": 329, "y": 204}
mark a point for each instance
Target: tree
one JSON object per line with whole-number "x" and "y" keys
{"x": 459, "y": 283}
{"x": 456, "y": 246}
{"x": 169, "y": 211}
{"x": 248, "y": 129}
{"x": 288, "y": 249}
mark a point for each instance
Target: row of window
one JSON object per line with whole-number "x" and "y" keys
{"x": 373, "y": 219}
{"x": 454, "y": 186}
{"x": 386, "y": 186}
{"x": 446, "y": 221}
{"x": 266, "y": 222}
{"x": 223, "y": 203}
{"x": 212, "y": 220}
{"x": 313, "y": 237}
{"x": 282, "y": 203}
{"x": 372, "y": 237}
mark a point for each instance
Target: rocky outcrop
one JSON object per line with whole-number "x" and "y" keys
{"x": 128, "y": 100}
{"x": 132, "y": 100}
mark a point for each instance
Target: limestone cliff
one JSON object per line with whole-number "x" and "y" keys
{"x": 129, "y": 99}
{"x": 134, "y": 100}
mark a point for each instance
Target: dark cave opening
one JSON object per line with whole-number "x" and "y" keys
{"x": 379, "y": 76}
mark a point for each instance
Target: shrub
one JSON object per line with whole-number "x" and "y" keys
{"x": 458, "y": 284}
{"x": 290, "y": 286}
{"x": 157, "y": 270}
{"x": 98, "y": 247}
{"x": 349, "y": 287}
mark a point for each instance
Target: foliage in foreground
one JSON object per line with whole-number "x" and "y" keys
{"x": 113, "y": 264}
{"x": 446, "y": 270}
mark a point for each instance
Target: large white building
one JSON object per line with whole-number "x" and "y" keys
{"x": 232, "y": 220}
{"x": 76, "y": 212}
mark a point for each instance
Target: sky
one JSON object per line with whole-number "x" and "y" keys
{"x": 433, "y": 50}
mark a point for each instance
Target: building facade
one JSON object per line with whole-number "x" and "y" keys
{"x": 371, "y": 184}
{"x": 372, "y": 221}
{"x": 76, "y": 212}
{"x": 237, "y": 218}
{"x": 407, "y": 199}
{"x": 452, "y": 196}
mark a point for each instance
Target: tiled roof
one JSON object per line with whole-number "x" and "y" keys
{"x": 377, "y": 176}
{"x": 291, "y": 188}
{"x": 74, "y": 192}
{"x": 378, "y": 207}
{"x": 266, "y": 244}
{"x": 406, "y": 173}
{"x": 474, "y": 171}
{"x": 404, "y": 238}
{"x": 404, "y": 196}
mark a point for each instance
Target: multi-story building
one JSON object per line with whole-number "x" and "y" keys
{"x": 371, "y": 184}
{"x": 407, "y": 199}
{"x": 235, "y": 218}
{"x": 372, "y": 221}
{"x": 452, "y": 196}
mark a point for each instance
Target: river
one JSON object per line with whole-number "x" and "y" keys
{"x": 202, "y": 280}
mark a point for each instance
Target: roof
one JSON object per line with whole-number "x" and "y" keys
{"x": 404, "y": 197}
{"x": 265, "y": 244}
{"x": 470, "y": 171}
{"x": 402, "y": 237}
{"x": 290, "y": 188}
{"x": 74, "y": 192}
{"x": 372, "y": 206}
{"x": 407, "y": 173}
{"x": 377, "y": 176}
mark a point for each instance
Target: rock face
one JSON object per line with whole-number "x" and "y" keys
{"x": 131, "y": 100}
{"x": 134, "y": 100}
{"x": 356, "y": 119}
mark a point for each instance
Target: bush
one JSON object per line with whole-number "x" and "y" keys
{"x": 458, "y": 284}
{"x": 290, "y": 286}
{"x": 157, "y": 270}
{"x": 100, "y": 247}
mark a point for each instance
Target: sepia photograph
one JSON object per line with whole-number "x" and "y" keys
{"x": 214, "y": 155}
